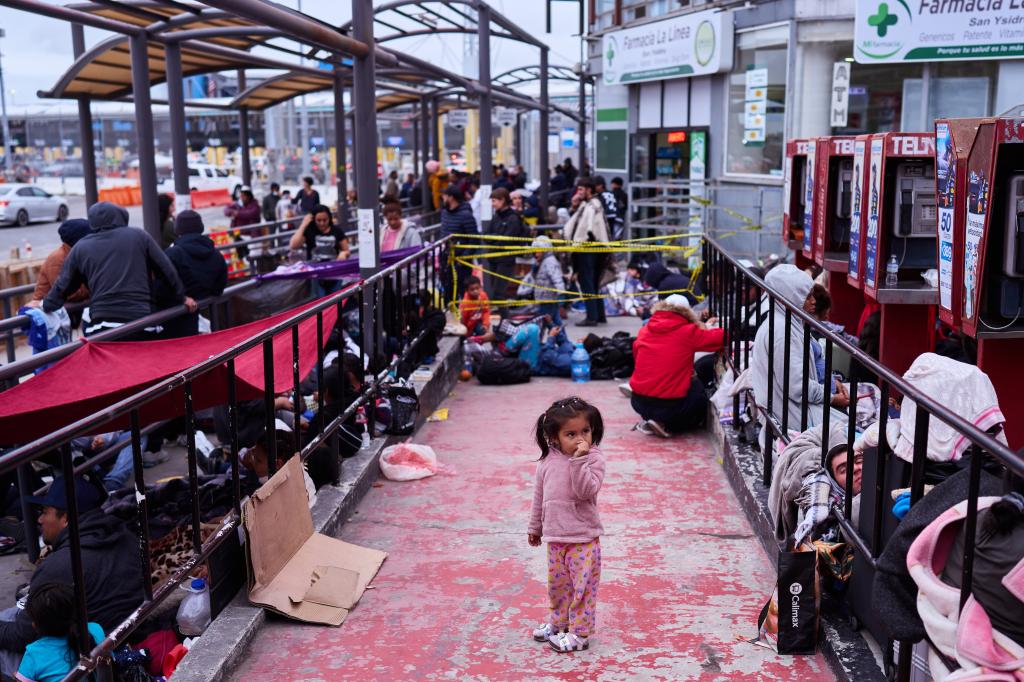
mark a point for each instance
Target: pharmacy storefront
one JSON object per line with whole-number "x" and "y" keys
{"x": 655, "y": 96}
{"x": 909, "y": 62}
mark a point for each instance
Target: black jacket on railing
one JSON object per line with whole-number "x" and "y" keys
{"x": 113, "y": 576}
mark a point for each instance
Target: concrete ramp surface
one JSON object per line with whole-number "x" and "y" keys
{"x": 683, "y": 577}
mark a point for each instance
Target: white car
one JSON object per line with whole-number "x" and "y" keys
{"x": 204, "y": 176}
{"x": 21, "y": 204}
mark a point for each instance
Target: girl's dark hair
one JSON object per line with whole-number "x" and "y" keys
{"x": 320, "y": 208}
{"x": 52, "y": 609}
{"x": 550, "y": 422}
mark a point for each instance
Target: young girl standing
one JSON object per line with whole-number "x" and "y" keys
{"x": 564, "y": 515}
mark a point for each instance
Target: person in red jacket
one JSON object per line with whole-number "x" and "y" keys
{"x": 666, "y": 394}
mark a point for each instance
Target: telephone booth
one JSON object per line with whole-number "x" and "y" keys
{"x": 901, "y": 233}
{"x": 829, "y": 224}
{"x": 794, "y": 209}
{"x": 991, "y": 249}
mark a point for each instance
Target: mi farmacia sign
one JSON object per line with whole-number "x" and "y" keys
{"x": 688, "y": 45}
{"x": 936, "y": 30}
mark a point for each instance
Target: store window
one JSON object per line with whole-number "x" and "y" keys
{"x": 757, "y": 103}
{"x": 955, "y": 90}
{"x": 604, "y": 14}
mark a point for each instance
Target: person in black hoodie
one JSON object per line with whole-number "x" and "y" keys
{"x": 110, "y": 557}
{"x": 117, "y": 265}
{"x": 200, "y": 266}
{"x": 665, "y": 281}
{"x": 505, "y": 223}
{"x": 456, "y": 218}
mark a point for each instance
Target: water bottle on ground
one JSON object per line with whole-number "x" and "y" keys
{"x": 892, "y": 269}
{"x": 194, "y": 610}
{"x": 580, "y": 364}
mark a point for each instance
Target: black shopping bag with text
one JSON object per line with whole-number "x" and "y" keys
{"x": 788, "y": 623}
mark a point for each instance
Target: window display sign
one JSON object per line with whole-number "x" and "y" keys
{"x": 936, "y": 30}
{"x": 755, "y": 106}
{"x": 688, "y": 45}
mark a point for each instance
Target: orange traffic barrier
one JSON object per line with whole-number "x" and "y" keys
{"x": 205, "y": 198}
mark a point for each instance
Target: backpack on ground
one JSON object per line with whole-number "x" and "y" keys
{"x": 405, "y": 407}
{"x": 498, "y": 370}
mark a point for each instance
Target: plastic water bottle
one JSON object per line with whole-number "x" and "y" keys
{"x": 892, "y": 269}
{"x": 580, "y": 364}
{"x": 194, "y": 610}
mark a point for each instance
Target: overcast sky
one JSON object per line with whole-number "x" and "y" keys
{"x": 37, "y": 50}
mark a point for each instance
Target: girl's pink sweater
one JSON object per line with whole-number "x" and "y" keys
{"x": 565, "y": 497}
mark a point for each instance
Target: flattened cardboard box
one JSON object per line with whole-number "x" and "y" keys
{"x": 294, "y": 571}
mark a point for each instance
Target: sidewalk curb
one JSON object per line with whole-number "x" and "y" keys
{"x": 214, "y": 655}
{"x": 848, "y": 656}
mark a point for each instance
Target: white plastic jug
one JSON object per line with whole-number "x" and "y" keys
{"x": 194, "y": 610}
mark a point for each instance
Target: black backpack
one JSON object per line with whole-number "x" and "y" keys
{"x": 498, "y": 370}
{"x": 405, "y": 408}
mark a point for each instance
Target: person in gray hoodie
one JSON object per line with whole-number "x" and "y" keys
{"x": 117, "y": 265}
{"x": 795, "y": 286}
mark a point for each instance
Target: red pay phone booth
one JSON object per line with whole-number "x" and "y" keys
{"x": 989, "y": 252}
{"x": 899, "y": 228}
{"x": 832, "y": 197}
{"x": 794, "y": 181}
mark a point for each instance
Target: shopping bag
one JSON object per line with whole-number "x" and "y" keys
{"x": 788, "y": 623}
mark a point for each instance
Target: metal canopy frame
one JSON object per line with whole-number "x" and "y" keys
{"x": 529, "y": 74}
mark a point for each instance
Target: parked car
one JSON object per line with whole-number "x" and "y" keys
{"x": 21, "y": 204}
{"x": 203, "y": 176}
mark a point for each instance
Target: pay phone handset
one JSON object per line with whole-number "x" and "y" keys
{"x": 916, "y": 213}
{"x": 841, "y": 208}
{"x": 1011, "y": 299}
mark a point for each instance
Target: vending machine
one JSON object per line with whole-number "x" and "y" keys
{"x": 900, "y": 243}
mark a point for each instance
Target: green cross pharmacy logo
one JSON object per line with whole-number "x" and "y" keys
{"x": 882, "y": 19}
{"x": 609, "y": 54}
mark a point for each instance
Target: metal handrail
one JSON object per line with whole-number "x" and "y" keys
{"x": 729, "y": 290}
{"x": 398, "y": 278}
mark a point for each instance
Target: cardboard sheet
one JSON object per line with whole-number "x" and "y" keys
{"x": 294, "y": 571}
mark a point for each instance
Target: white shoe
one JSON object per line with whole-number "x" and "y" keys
{"x": 643, "y": 428}
{"x": 544, "y": 632}
{"x": 657, "y": 429}
{"x": 564, "y": 642}
{"x": 626, "y": 390}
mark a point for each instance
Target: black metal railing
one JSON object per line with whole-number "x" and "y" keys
{"x": 384, "y": 340}
{"x": 738, "y": 297}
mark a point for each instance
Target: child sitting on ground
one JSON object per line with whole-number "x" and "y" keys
{"x": 52, "y": 608}
{"x": 564, "y": 515}
{"x": 475, "y": 310}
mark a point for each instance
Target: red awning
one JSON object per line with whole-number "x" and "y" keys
{"x": 100, "y": 374}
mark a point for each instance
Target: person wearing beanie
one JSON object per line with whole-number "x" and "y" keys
{"x": 117, "y": 265}
{"x": 200, "y": 266}
{"x": 70, "y": 231}
{"x": 548, "y": 277}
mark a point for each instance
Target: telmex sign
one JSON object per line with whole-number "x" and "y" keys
{"x": 934, "y": 30}
{"x": 688, "y": 45}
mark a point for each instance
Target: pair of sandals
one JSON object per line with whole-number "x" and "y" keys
{"x": 562, "y": 642}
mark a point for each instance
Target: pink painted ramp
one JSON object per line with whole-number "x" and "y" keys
{"x": 683, "y": 576}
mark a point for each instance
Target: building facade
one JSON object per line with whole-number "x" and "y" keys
{"x": 685, "y": 88}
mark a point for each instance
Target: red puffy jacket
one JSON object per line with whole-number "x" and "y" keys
{"x": 663, "y": 353}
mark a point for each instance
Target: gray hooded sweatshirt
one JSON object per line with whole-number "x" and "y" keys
{"x": 793, "y": 285}
{"x": 116, "y": 263}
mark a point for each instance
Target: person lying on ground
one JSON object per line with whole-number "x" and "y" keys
{"x": 666, "y": 394}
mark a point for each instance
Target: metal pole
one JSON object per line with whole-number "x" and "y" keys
{"x": 179, "y": 141}
{"x": 415, "y": 139}
{"x": 542, "y": 142}
{"x": 483, "y": 20}
{"x": 519, "y": 138}
{"x": 435, "y": 135}
{"x": 425, "y": 131}
{"x": 365, "y": 131}
{"x": 3, "y": 116}
{"x": 583, "y": 114}
{"x": 340, "y": 143}
{"x": 144, "y": 129}
{"x": 303, "y": 120}
{"x": 243, "y": 134}
{"x": 92, "y": 194}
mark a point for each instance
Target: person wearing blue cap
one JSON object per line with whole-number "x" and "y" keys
{"x": 112, "y": 572}
{"x": 70, "y": 232}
